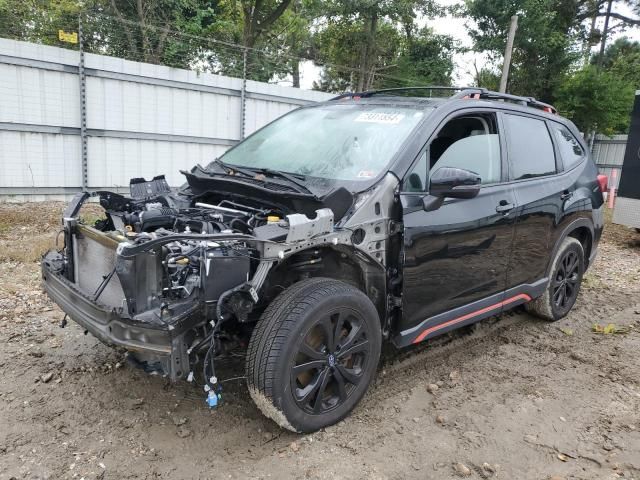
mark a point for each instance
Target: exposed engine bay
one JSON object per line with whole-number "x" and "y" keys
{"x": 179, "y": 278}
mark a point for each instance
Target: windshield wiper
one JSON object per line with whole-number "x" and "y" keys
{"x": 296, "y": 179}
{"x": 232, "y": 168}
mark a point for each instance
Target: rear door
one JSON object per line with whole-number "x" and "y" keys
{"x": 455, "y": 258}
{"x": 540, "y": 192}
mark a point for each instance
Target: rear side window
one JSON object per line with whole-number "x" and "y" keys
{"x": 570, "y": 149}
{"x": 530, "y": 148}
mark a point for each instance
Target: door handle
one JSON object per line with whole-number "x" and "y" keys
{"x": 566, "y": 194}
{"x": 504, "y": 207}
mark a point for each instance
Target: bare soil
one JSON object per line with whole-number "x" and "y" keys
{"x": 514, "y": 397}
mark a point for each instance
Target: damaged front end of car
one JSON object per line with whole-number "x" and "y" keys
{"x": 165, "y": 270}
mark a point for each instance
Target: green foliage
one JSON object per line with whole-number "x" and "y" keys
{"x": 487, "y": 78}
{"x": 162, "y": 31}
{"x": 546, "y": 42}
{"x": 548, "y": 50}
{"x": 426, "y": 59}
{"x": 363, "y": 44}
{"x": 38, "y": 20}
{"x": 622, "y": 59}
{"x": 596, "y": 101}
{"x": 367, "y": 45}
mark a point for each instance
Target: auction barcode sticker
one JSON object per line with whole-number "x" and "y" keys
{"x": 380, "y": 117}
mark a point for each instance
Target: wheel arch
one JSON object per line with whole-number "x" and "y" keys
{"x": 580, "y": 229}
{"x": 338, "y": 262}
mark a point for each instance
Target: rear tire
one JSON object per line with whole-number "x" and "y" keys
{"x": 564, "y": 282}
{"x": 313, "y": 354}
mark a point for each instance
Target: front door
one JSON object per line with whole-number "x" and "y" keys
{"x": 455, "y": 257}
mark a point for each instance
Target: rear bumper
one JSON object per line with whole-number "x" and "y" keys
{"x": 105, "y": 324}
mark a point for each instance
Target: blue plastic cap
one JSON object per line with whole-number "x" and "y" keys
{"x": 212, "y": 400}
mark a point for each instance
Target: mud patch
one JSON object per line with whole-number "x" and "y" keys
{"x": 517, "y": 397}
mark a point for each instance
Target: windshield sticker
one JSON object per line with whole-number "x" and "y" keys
{"x": 379, "y": 117}
{"x": 366, "y": 174}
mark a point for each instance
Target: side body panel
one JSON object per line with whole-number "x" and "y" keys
{"x": 455, "y": 255}
{"x": 547, "y": 206}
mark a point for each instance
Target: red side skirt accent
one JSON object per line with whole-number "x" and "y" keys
{"x": 425, "y": 333}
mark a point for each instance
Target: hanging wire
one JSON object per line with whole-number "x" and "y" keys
{"x": 149, "y": 43}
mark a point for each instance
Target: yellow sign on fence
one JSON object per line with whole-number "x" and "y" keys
{"x": 70, "y": 37}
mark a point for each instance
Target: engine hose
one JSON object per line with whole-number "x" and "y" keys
{"x": 247, "y": 227}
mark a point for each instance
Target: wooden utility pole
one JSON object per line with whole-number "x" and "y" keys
{"x": 507, "y": 54}
{"x": 605, "y": 32}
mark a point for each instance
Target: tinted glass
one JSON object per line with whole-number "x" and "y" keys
{"x": 478, "y": 153}
{"x": 338, "y": 141}
{"x": 416, "y": 181}
{"x": 530, "y": 148}
{"x": 570, "y": 149}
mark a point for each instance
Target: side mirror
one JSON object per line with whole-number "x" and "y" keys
{"x": 454, "y": 183}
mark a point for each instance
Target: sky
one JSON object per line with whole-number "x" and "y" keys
{"x": 457, "y": 28}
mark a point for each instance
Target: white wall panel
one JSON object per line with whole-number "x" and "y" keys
{"x": 114, "y": 161}
{"x": 39, "y": 160}
{"x": 39, "y": 95}
{"x": 135, "y": 107}
{"x": 32, "y": 95}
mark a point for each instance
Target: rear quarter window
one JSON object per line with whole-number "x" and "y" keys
{"x": 571, "y": 151}
{"x": 529, "y": 146}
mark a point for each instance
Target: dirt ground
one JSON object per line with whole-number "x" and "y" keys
{"x": 511, "y": 397}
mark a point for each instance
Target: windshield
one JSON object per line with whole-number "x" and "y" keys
{"x": 352, "y": 142}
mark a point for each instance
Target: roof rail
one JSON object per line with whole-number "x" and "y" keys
{"x": 392, "y": 91}
{"x": 484, "y": 94}
{"x": 476, "y": 93}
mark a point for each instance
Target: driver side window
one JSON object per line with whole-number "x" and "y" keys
{"x": 469, "y": 142}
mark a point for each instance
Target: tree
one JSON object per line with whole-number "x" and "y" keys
{"x": 425, "y": 58}
{"x": 546, "y": 43}
{"x": 596, "y": 101}
{"x": 366, "y": 45}
{"x": 487, "y": 78}
{"x": 151, "y": 31}
{"x": 259, "y": 16}
{"x": 38, "y": 20}
{"x": 622, "y": 59}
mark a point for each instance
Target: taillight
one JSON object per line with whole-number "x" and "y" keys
{"x": 603, "y": 183}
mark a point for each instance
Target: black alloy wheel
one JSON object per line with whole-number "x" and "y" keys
{"x": 565, "y": 277}
{"x": 330, "y": 362}
{"x": 566, "y": 281}
{"x": 313, "y": 354}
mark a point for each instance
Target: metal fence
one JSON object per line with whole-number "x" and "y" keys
{"x": 70, "y": 121}
{"x": 608, "y": 153}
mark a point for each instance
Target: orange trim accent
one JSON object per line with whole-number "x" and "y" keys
{"x": 423, "y": 335}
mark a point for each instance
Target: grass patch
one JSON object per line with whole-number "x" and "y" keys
{"x": 27, "y": 250}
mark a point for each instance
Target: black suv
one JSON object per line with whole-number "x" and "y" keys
{"x": 376, "y": 216}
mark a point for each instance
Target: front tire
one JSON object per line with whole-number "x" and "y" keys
{"x": 564, "y": 282}
{"x": 313, "y": 354}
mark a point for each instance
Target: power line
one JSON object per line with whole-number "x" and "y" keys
{"x": 266, "y": 54}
